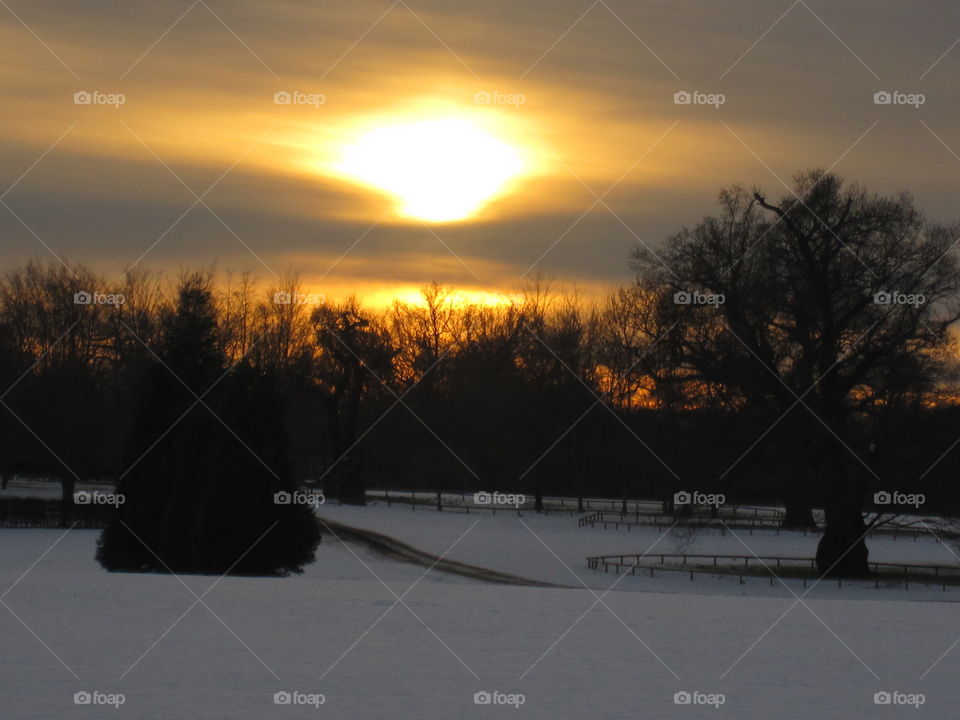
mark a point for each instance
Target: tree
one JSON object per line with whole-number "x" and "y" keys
{"x": 425, "y": 338}
{"x": 354, "y": 361}
{"x": 12, "y": 433}
{"x": 206, "y": 457}
{"x": 558, "y": 368}
{"x": 835, "y": 303}
{"x": 59, "y": 335}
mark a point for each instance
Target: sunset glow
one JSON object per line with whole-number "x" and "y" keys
{"x": 458, "y": 298}
{"x": 437, "y": 170}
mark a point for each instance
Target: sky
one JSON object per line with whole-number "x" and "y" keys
{"x": 529, "y": 137}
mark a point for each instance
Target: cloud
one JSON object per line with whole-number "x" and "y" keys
{"x": 599, "y": 109}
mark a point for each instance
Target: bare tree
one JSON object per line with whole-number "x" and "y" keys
{"x": 61, "y": 321}
{"x": 354, "y": 360}
{"x": 835, "y": 303}
{"x": 283, "y": 331}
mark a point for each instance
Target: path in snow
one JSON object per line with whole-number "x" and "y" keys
{"x": 395, "y": 550}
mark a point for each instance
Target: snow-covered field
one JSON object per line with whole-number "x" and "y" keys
{"x": 554, "y": 549}
{"x": 339, "y": 630}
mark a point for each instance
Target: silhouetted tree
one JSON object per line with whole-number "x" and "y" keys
{"x": 206, "y": 457}
{"x": 354, "y": 362}
{"x": 61, "y": 402}
{"x": 801, "y": 330}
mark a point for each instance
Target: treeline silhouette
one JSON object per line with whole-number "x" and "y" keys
{"x": 797, "y": 387}
{"x": 530, "y": 396}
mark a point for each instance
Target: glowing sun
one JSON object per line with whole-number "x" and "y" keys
{"x": 438, "y": 170}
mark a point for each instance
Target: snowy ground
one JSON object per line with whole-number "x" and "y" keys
{"x": 338, "y": 630}
{"x": 553, "y": 548}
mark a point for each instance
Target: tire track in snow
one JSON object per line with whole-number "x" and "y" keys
{"x": 395, "y": 550}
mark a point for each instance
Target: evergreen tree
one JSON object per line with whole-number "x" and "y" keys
{"x": 208, "y": 453}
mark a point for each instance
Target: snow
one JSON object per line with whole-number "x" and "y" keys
{"x": 332, "y": 631}
{"x": 552, "y": 548}
{"x": 46, "y": 489}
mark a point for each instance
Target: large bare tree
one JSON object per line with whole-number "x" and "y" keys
{"x": 832, "y": 302}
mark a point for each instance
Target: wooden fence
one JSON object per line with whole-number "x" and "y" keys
{"x": 764, "y": 565}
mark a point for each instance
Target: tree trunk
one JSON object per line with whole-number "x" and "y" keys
{"x": 346, "y": 480}
{"x": 351, "y": 487}
{"x": 802, "y": 480}
{"x": 623, "y": 489}
{"x": 67, "y": 485}
{"x": 576, "y": 464}
{"x": 797, "y": 513}
{"x": 842, "y": 551}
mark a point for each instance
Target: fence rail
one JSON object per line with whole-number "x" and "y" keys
{"x": 617, "y": 520}
{"x": 641, "y": 512}
{"x": 639, "y": 507}
{"x": 760, "y": 565}
{"x": 428, "y": 501}
{"x": 609, "y": 519}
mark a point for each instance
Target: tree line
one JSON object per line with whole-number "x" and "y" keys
{"x": 797, "y": 350}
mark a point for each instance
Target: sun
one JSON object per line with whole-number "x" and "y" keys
{"x": 437, "y": 170}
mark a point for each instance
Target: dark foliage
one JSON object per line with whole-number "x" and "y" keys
{"x": 207, "y": 454}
